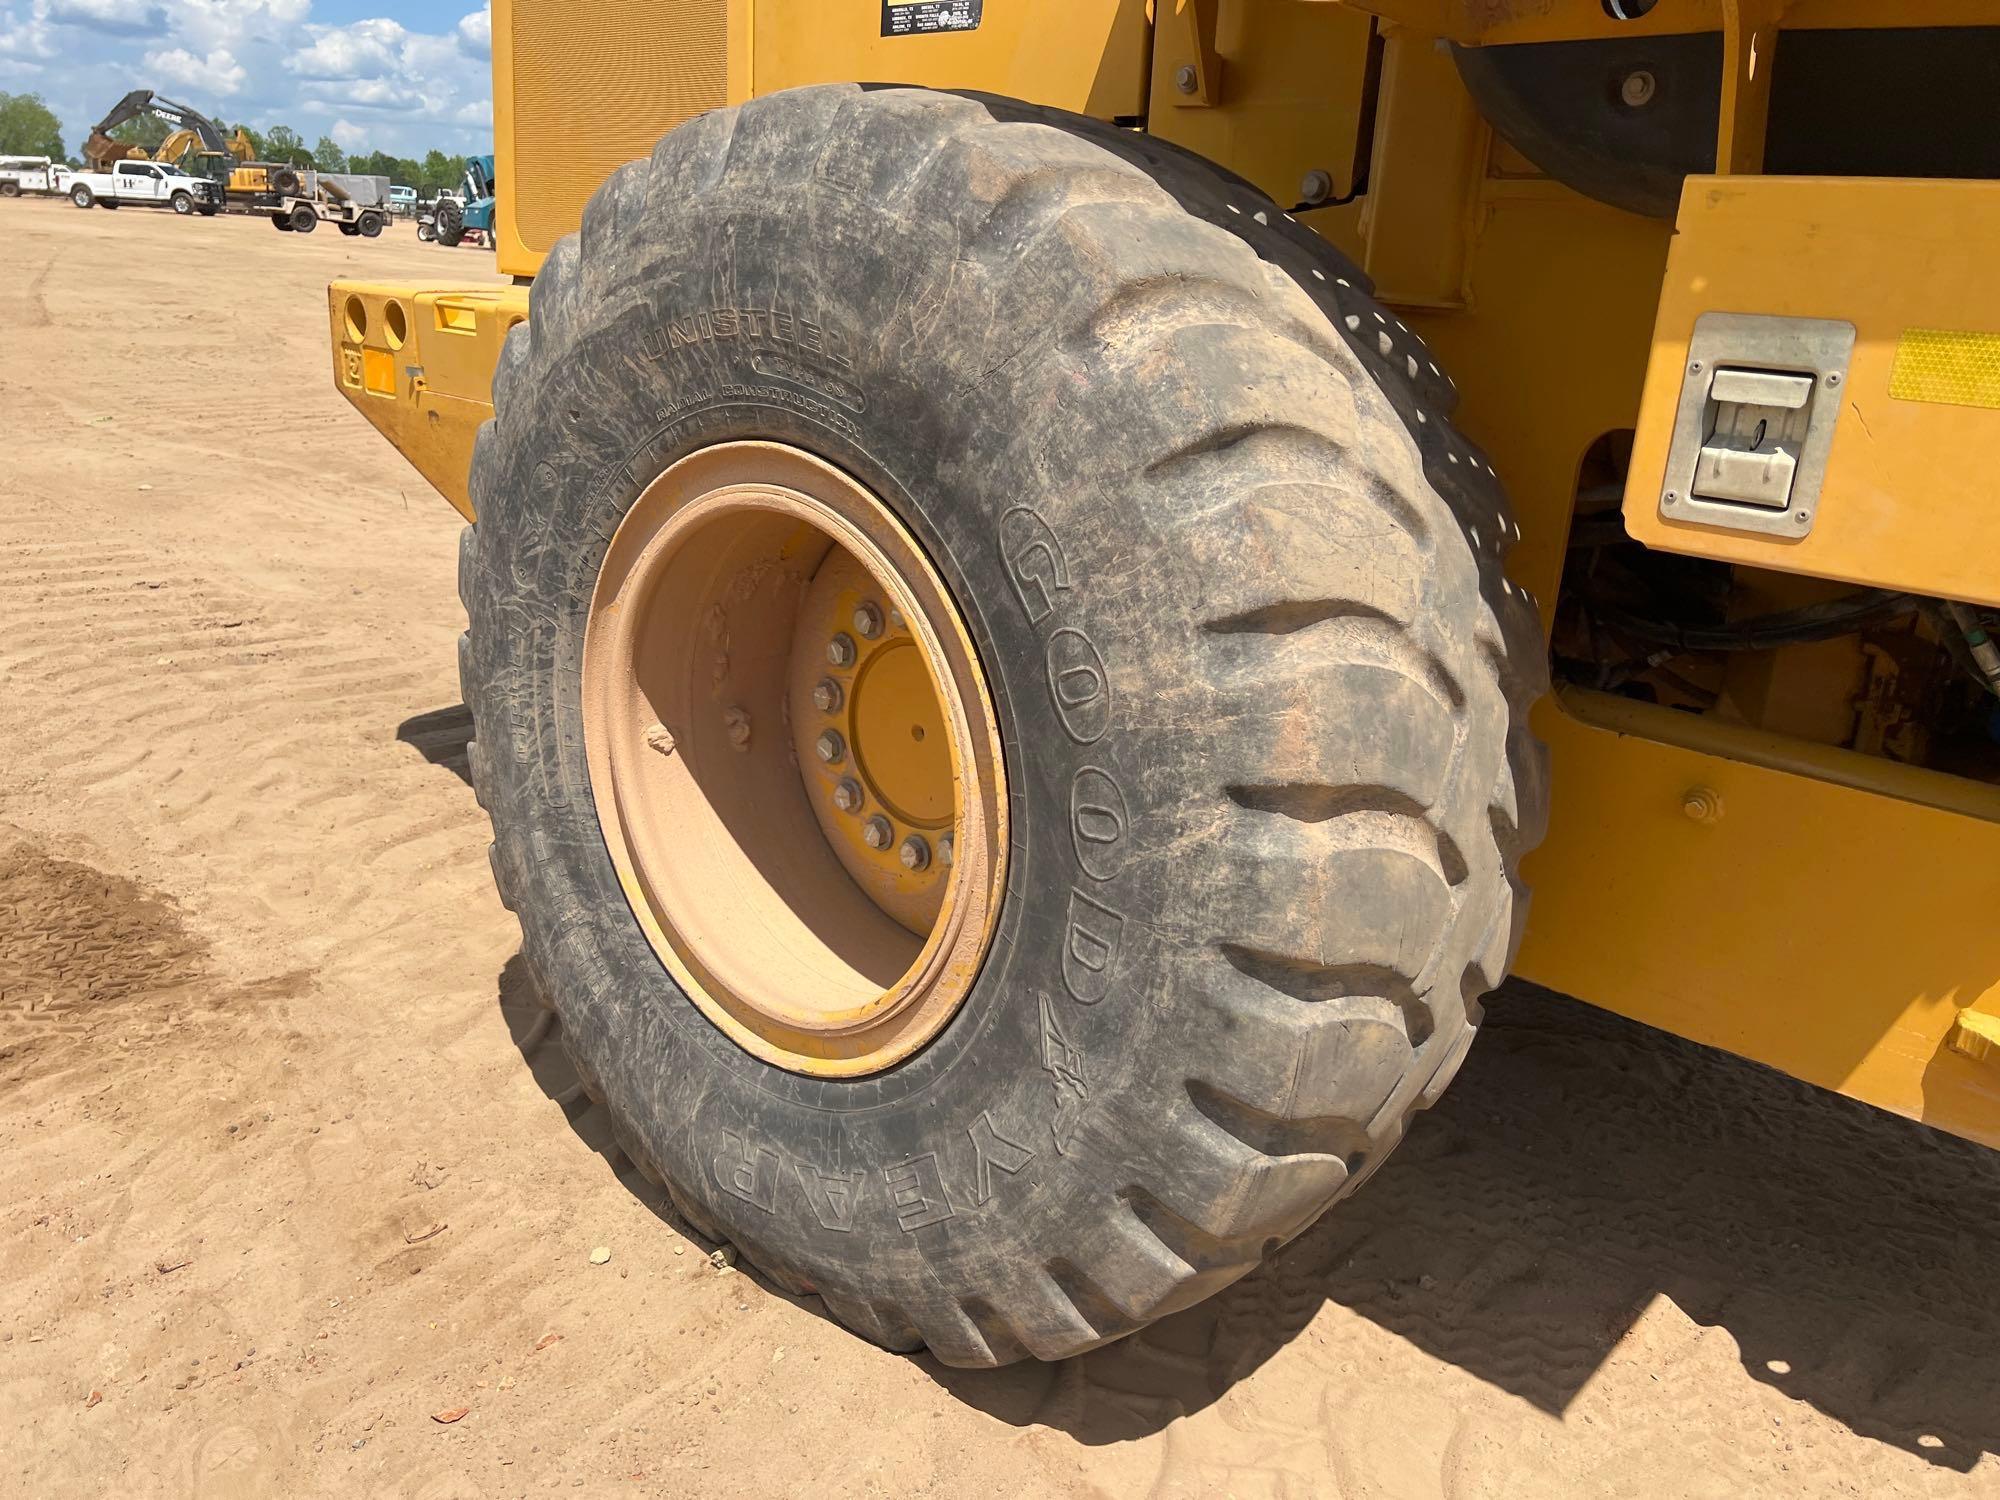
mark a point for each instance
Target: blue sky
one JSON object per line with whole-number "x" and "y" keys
{"x": 392, "y": 77}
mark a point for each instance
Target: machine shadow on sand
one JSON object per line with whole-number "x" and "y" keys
{"x": 1581, "y": 1167}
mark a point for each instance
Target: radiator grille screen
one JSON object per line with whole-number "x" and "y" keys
{"x": 597, "y": 83}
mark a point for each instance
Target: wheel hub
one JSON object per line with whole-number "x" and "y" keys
{"x": 794, "y": 759}
{"x": 877, "y": 755}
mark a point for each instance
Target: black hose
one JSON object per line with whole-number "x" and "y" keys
{"x": 1785, "y": 627}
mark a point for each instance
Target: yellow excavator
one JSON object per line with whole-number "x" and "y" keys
{"x": 178, "y": 146}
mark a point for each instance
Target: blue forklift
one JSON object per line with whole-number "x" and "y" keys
{"x": 453, "y": 222}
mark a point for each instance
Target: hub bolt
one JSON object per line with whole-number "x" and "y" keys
{"x": 830, "y": 747}
{"x": 876, "y": 832}
{"x": 826, "y": 695}
{"x": 847, "y": 796}
{"x": 840, "y": 650}
{"x": 946, "y": 846}
{"x": 868, "y": 620}
{"x": 915, "y": 853}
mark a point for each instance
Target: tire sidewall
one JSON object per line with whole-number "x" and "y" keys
{"x": 1043, "y": 1055}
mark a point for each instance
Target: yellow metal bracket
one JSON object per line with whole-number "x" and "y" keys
{"x": 418, "y": 363}
{"x": 1196, "y": 18}
{"x": 1749, "y": 48}
{"x": 1976, "y": 1035}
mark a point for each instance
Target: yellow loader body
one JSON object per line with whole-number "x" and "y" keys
{"x": 1762, "y": 876}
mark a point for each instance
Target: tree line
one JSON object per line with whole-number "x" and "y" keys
{"x": 28, "y": 127}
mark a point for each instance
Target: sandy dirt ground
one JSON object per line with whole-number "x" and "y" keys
{"x": 289, "y": 1161}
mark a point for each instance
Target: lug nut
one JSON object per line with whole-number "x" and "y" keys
{"x": 868, "y": 620}
{"x": 847, "y": 796}
{"x": 840, "y": 650}
{"x": 876, "y": 832}
{"x": 830, "y": 747}
{"x": 1316, "y": 186}
{"x": 946, "y": 848}
{"x": 915, "y": 853}
{"x": 826, "y": 695}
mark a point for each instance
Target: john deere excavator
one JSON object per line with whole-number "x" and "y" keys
{"x": 225, "y": 160}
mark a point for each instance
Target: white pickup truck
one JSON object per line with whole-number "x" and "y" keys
{"x": 32, "y": 174}
{"x": 154, "y": 182}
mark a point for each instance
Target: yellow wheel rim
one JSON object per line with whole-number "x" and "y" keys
{"x": 794, "y": 758}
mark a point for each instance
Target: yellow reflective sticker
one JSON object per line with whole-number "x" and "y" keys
{"x": 1951, "y": 367}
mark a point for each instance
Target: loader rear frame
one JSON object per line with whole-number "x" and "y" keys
{"x": 1752, "y": 887}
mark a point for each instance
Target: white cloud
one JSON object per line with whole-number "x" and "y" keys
{"x": 475, "y": 32}
{"x": 25, "y": 40}
{"x": 348, "y": 135}
{"x": 218, "y": 73}
{"x": 235, "y": 23}
{"x": 116, "y": 17}
{"x": 375, "y": 93}
{"x": 365, "y": 49}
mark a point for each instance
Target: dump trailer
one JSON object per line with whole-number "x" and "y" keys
{"x": 1033, "y": 625}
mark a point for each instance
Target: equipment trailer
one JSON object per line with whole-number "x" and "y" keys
{"x": 303, "y": 215}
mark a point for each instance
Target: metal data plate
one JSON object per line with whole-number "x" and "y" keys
{"x": 1731, "y": 361}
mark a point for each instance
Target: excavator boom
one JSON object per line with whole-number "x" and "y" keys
{"x": 101, "y": 149}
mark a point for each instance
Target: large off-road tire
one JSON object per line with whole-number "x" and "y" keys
{"x": 304, "y": 220}
{"x": 282, "y": 222}
{"x": 370, "y": 225}
{"x": 1235, "y": 583}
{"x": 450, "y": 225}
